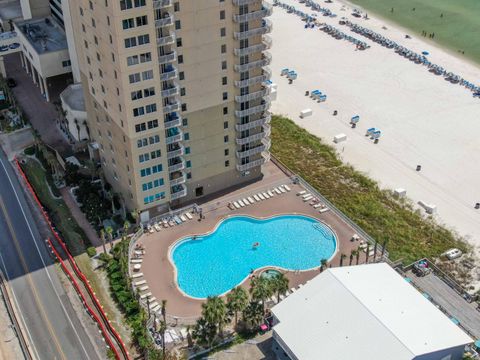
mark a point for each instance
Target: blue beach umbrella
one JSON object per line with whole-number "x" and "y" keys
{"x": 425, "y": 53}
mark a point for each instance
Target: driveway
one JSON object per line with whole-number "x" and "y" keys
{"x": 41, "y": 114}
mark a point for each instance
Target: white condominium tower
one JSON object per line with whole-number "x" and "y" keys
{"x": 176, "y": 94}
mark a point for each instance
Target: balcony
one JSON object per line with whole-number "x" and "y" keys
{"x": 265, "y": 11}
{"x": 253, "y": 124}
{"x": 172, "y": 121}
{"x": 179, "y": 180}
{"x": 179, "y": 151}
{"x": 165, "y": 21}
{"x": 161, "y": 4}
{"x": 170, "y": 139}
{"x": 253, "y": 110}
{"x": 166, "y": 40}
{"x": 256, "y": 150}
{"x": 251, "y": 138}
{"x": 245, "y": 2}
{"x": 171, "y": 91}
{"x": 169, "y": 108}
{"x": 178, "y": 194}
{"x": 168, "y": 58}
{"x": 251, "y": 96}
{"x": 253, "y": 64}
{"x": 253, "y": 80}
{"x": 262, "y": 30}
{"x": 168, "y": 74}
{"x": 252, "y": 164}
{"x": 177, "y": 166}
{"x": 250, "y": 49}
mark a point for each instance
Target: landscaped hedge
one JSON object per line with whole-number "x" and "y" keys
{"x": 410, "y": 236}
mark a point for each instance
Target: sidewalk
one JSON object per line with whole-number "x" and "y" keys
{"x": 80, "y": 218}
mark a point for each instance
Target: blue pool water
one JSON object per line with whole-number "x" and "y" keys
{"x": 214, "y": 264}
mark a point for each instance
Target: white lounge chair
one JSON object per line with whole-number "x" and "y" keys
{"x": 308, "y": 198}
{"x": 266, "y": 195}
{"x": 137, "y": 267}
{"x": 277, "y": 191}
{"x": 256, "y": 197}
{"x": 261, "y": 196}
{"x": 144, "y": 296}
{"x": 183, "y": 218}
{"x": 136, "y": 261}
{"x": 325, "y": 209}
{"x": 269, "y": 192}
{"x": 143, "y": 288}
{"x": 136, "y": 276}
{"x": 140, "y": 282}
{"x": 157, "y": 227}
{"x": 152, "y": 303}
{"x": 282, "y": 189}
{"x": 236, "y": 204}
{"x": 287, "y": 188}
{"x": 251, "y": 200}
{"x": 246, "y": 202}
{"x": 165, "y": 223}
{"x": 307, "y": 195}
{"x": 151, "y": 230}
{"x": 231, "y": 206}
{"x": 189, "y": 216}
{"x": 301, "y": 193}
{"x": 317, "y": 205}
{"x": 241, "y": 203}
{"x": 155, "y": 308}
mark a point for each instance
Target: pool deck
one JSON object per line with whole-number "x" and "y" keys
{"x": 159, "y": 272}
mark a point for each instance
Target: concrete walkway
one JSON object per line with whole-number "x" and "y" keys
{"x": 41, "y": 114}
{"x": 80, "y": 218}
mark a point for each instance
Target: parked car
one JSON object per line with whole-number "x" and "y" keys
{"x": 453, "y": 254}
{"x": 14, "y": 46}
{"x": 4, "y": 48}
{"x": 11, "y": 83}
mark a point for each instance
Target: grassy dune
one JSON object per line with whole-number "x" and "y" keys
{"x": 410, "y": 236}
{"x": 458, "y": 29}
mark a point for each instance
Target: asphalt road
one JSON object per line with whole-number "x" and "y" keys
{"x": 52, "y": 324}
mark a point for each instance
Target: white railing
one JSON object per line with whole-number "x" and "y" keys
{"x": 172, "y": 74}
{"x": 180, "y": 180}
{"x": 251, "y": 164}
{"x": 264, "y": 29}
{"x": 174, "y": 153}
{"x": 166, "y": 21}
{"x": 250, "y": 49}
{"x": 177, "y": 167}
{"x": 251, "y": 81}
{"x": 250, "y": 152}
{"x": 253, "y": 124}
{"x": 251, "y": 96}
{"x": 160, "y": 4}
{"x": 169, "y": 108}
{"x": 164, "y": 59}
{"x": 249, "y": 139}
{"x": 253, "y": 110}
{"x": 173, "y": 123}
{"x": 166, "y": 40}
{"x": 174, "y": 90}
{"x": 252, "y": 65}
{"x": 265, "y": 11}
{"x": 178, "y": 194}
{"x": 174, "y": 138}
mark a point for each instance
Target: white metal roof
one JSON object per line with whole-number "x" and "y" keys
{"x": 366, "y": 310}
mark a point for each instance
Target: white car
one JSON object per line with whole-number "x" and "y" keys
{"x": 453, "y": 254}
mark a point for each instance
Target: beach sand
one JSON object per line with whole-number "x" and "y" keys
{"x": 424, "y": 119}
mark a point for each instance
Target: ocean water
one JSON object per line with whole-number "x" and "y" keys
{"x": 457, "y": 29}
{"x": 216, "y": 263}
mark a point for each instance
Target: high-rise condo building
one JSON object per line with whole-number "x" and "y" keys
{"x": 177, "y": 95}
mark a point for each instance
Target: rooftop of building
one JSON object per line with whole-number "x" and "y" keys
{"x": 369, "y": 310}
{"x": 44, "y": 34}
{"x": 10, "y": 10}
{"x": 73, "y": 97}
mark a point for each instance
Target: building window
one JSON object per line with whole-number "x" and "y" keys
{"x": 132, "y": 60}
{"x": 130, "y": 42}
{"x": 135, "y": 95}
{"x": 147, "y": 75}
{"x": 145, "y": 57}
{"x": 182, "y": 92}
{"x": 224, "y": 64}
{"x": 128, "y": 23}
{"x": 225, "y": 139}
{"x": 189, "y": 175}
{"x": 181, "y": 75}
{"x": 176, "y": 7}
{"x": 179, "y": 42}
{"x": 189, "y": 163}
{"x": 180, "y": 59}
{"x": 184, "y": 122}
{"x": 227, "y": 163}
{"x": 140, "y": 127}
{"x": 150, "y": 108}
{"x": 178, "y": 25}
{"x": 186, "y": 136}
{"x": 223, "y": 32}
{"x": 222, "y": 14}
{"x": 225, "y": 124}
{"x": 141, "y": 20}
{"x": 133, "y": 78}
{"x": 226, "y": 152}
{"x": 225, "y": 96}
{"x": 223, "y": 49}
{"x": 143, "y": 39}
{"x": 224, "y": 80}
{"x": 184, "y": 107}
{"x": 187, "y": 150}
{"x": 225, "y": 110}
{"x": 149, "y": 92}
{"x": 66, "y": 63}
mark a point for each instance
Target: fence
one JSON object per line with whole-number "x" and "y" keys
{"x": 332, "y": 207}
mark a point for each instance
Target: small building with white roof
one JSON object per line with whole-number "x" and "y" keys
{"x": 364, "y": 312}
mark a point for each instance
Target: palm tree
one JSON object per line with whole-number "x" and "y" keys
{"x": 342, "y": 257}
{"x": 109, "y": 231}
{"x": 204, "y": 332}
{"x": 280, "y": 285}
{"x": 375, "y": 251}
{"x": 215, "y": 312}
{"x": 261, "y": 290}
{"x": 102, "y": 237}
{"x": 126, "y": 226}
{"x": 367, "y": 251}
{"x": 162, "y": 328}
{"x": 323, "y": 264}
{"x": 237, "y": 301}
{"x": 253, "y": 314}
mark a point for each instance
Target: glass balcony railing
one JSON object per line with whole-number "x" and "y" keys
{"x": 167, "y": 58}
{"x": 262, "y": 30}
{"x": 161, "y": 4}
{"x": 165, "y": 21}
{"x": 254, "y": 124}
{"x": 258, "y": 14}
{"x": 253, "y": 110}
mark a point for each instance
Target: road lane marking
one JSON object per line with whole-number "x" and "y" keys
{"x": 19, "y": 310}
{"x": 29, "y": 279}
{"x": 47, "y": 272}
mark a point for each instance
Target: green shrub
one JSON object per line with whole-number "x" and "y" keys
{"x": 29, "y": 151}
{"x": 91, "y": 251}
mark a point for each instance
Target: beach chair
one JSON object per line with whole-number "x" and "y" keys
{"x": 256, "y": 197}
{"x": 171, "y": 222}
{"x": 183, "y": 218}
{"x": 308, "y": 198}
{"x": 266, "y": 195}
{"x": 143, "y": 288}
{"x": 306, "y": 195}
{"x": 251, "y": 200}
{"x": 155, "y": 308}
{"x": 150, "y": 229}
{"x": 136, "y": 276}
{"x": 137, "y": 267}
{"x": 246, "y": 202}
{"x": 287, "y": 188}
{"x": 282, "y": 189}
{"x": 277, "y": 191}
{"x": 242, "y": 204}
{"x": 236, "y": 204}
{"x": 316, "y": 206}
{"x": 140, "y": 282}
{"x": 189, "y": 216}
{"x": 325, "y": 209}
{"x": 136, "y": 261}
{"x": 157, "y": 227}
{"x": 261, "y": 196}
{"x": 269, "y": 192}
{"x": 301, "y": 193}
{"x": 165, "y": 223}
{"x": 231, "y": 206}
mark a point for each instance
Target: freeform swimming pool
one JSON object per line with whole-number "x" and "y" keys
{"x": 215, "y": 263}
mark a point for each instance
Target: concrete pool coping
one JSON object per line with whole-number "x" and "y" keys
{"x": 189, "y": 237}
